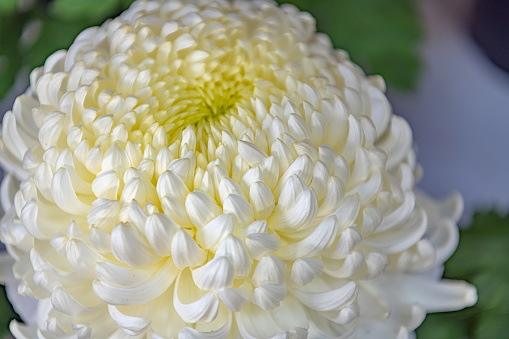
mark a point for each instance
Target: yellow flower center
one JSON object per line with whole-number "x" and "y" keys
{"x": 204, "y": 101}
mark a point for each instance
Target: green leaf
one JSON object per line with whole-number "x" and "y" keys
{"x": 435, "y": 326}
{"x": 492, "y": 325}
{"x": 6, "y": 313}
{"x": 93, "y": 10}
{"x": 7, "y": 6}
{"x": 482, "y": 258}
{"x": 381, "y": 36}
{"x": 79, "y": 9}
{"x": 10, "y": 58}
{"x": 54, "y": 35}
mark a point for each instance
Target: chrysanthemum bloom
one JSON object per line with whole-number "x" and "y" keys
{"x": 215, "y": 169}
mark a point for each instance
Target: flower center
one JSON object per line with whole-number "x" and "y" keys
{"x": 204, "y": 100}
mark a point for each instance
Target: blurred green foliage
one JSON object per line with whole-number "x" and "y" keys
{"x": 382, "y": 36}
{"x": 482, "y": 258}
{"x": 6, "y": 313}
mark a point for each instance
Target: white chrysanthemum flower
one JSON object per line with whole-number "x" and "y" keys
{"x": 215, "y": 169}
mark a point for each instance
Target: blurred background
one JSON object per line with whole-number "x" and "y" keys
{"x": 446, "y": 64}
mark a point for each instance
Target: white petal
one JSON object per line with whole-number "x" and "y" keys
{"x": 347, "y": 212}
{"x": 354, "y": 139}
{"x": 268, "y": 295}
{"x": 251, "y": 153}
{"x": 233, "y": 298}
{"x": 270, "y": 171}
{"x": 344, "y": 268}
{"x": 262, "y": 200}
{"x": 291, "y": 191}
{"x": 371, "y": 219}
{"x": 249, "y": 318}
{"x": 229, "y": 186}
{"x": 137, "y": 294}
{"x": 36, "y": 223}
{"x": 434, "y": 296}
{"x": 64, "y": 195}
{"x": 100, "y": 241}
{"x": 136, "y": 215}
{"x": 159, "y": 230}
{"x": 376, "y": 263}
{"x": 130, "y": 325}
{"x": 329, "y": 300}
{"x": 65, "y": 303}
{"x": 322, "y": 237}
{"x": 400, "y": 214}
{"x": 298, "y": 127}
{"x": 215, "y": 275}
{"x": 211, "y": 235}
{"x": 163, "y": 159}
{"x": 220, "y": 333}
{"x": 185, "y": 251}
{"x": 43, "y": 176}
{"x": 301, "y": 167}
{"x": 205, "y": 308}
{"x": 122, "y": 276}
{"x": 368, "y": 190}
{"x": 170, "y": 183}
{"x": 270, "y": 269}
{"x": 115, "y": 158}
{"x": 106, "y": 185}
{"x": 82, "y": 258}
{"x": 200, "y": 208}
{"x": 262, "y": 243}
{"x": 51, "y": 129}
{"x": 444, "y": 239}
{"x": 232, "y": 248}
{"x": 304, "y": 270}
{"x": 403, "y": 237}
{"x": 299, "y": 216}
{"x": 320, "y": 180}
{"x": 104, "y": 214}
{"x": 349, "y": 238}
{"x": 11, "y": 137}
{"x": 130, "y": 247}
{"x": 174, "y": 207}
{"x": 240, "y": 209}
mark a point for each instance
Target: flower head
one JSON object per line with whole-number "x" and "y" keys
{"x": 210, "y": 169}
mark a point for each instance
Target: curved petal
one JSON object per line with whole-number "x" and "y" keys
{"x": 159, "y": 230}
{"x": 234, "y": 250}
{"x": 214, "y": 275}
{"x": 403, "y": 237}
{"x": 122, "y": 276}
{"x": 130, "y": 247}
{"x": 304, "y": 270}
{"x": 190, "y": 309}
{"x": 130, "y": 325}
{"x": 220, "y": 333}
{"x": 137, "y": 294}
{"x": 185, "y": 252}
{"x": 433, "y": 295}
{"x": 299, "y": 216}
{"x": 200, "y": 208}
{"x": 330, "y": 300}
{"x": 317, "y": 242}
{"x": 212, "y": 235}
{"x": 65, "y": 196}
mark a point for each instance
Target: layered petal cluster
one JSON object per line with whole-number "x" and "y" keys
{"x": 215, "y": 169}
